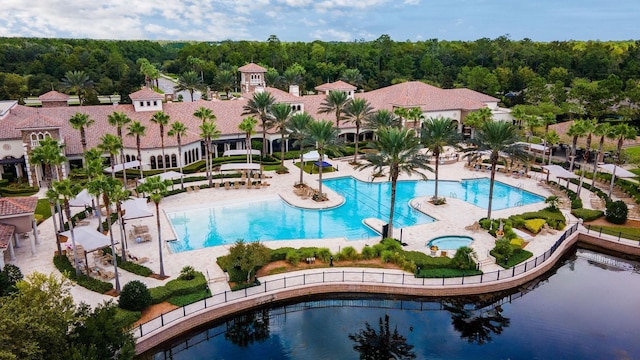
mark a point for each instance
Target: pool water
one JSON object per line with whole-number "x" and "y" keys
{"x": 450, "y": 242}
{"x": 276, "y": 220}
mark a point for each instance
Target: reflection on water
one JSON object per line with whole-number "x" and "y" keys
{"x": 585, "y": 309}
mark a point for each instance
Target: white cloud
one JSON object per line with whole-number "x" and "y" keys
{"x": 331, "y": 35}
{"x": 412, "y": 2}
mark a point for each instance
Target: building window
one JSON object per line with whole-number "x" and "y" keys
{"x": 160, "y": 162}
{"x": 155, "y": 103}
{"x": 174, "y": 161}
{"x": 148, "y": 103}
{"x": 141, "y": 103}
{"x": 152, "y": 161}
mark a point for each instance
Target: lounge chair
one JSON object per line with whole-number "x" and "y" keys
{"x": 196, "y": 188}
{"x": 227, "y": 186}
{"x": 216, "y": 185}
{"x": 137, "y": 260}
{"x": 236, "y": 185}
{"x": 105, "y": 274}
{"x": 189, "y": 189}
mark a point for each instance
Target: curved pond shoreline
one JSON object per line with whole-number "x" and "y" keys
{"x": 369, "y": 284}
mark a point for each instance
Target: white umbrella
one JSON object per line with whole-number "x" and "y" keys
{"x": 82, "y": 199}
{"x": 616, "y": 171}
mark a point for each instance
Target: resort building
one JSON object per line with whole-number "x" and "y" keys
{"x": 22, "y": 127}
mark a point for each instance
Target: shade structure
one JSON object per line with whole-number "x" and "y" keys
{"x": 127, "y": 165}
{"x": 89, "y": 238}
{"x": 240, "y": 152}
{"x": 615, "y": 170}
{"x": 560, "y": 172}
{"x": 314, "y": 156}
{"x": 239, "y": 166}
{"x": 169, "y": 175}
{"x": 83, "y": 199}
{"x": 135, "y": 209}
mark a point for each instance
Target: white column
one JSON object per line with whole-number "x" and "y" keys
{"x": 12, "y": 253}
{"x": 32, "y": 244}
{"x": 2, "y": 259}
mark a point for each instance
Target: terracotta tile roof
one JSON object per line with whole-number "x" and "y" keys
{"x": 280, "y": 96}
{"x": 37, "y": 121}
{"x": 251, "y": 67}
{"x": 6, "y": 234}
{"x": 146, "y": 94}
{"x": 336, "y": 85}
{"x": 228, "y": 113}
{"x": 53, "y": 96}
{"x": 473, "y": 95}
{"x": 10, "y": 206}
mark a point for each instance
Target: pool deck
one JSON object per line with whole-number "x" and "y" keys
{"x": 452, "y": 218}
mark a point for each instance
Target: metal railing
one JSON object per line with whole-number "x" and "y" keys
{"x": 342, "y": 276}
{"x": 619, "y": 235}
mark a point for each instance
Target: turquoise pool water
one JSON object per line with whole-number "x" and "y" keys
{"x": 451, "y": 242}
{"x": 276, "y": 220}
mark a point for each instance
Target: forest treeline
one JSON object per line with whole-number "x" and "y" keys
{"x": 599, "y": 75}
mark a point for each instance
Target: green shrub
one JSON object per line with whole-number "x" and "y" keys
{"x": 391, "y": 244}
{"x": 379, "y": 248}
{"x": 293, "y": 257}
{"x": 502, "y": 250}
{"x": 184, "y": 287}
{"x": 324, "y": 254}
{"x": 187, "y": 273}
{"x": 368, "y": 252}
{"x": 518, "y": 221}
{"x": 9, "y": 276}
{"x": 348, "y": 253}
{"x": 386, "y": 256}
{"x": 534, "y": 225}
{"x": 617, "y": 212}
{"x": 159, "y": 294}
{"x": 517, "y": 242}
{"x": 63, "y": 264}
{"x": 464, "y": 258}
{"x": 447, "y": 273}
{"x": 276, "y": 254}
{"x": 587, "y": 214}
{"x": 135, "y": 296}
{"x": 576, "y": 203}
{"x": 485, "y": 223}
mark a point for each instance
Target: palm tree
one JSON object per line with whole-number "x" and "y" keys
{"x": 81, "y": 122}
{"x": 119, "y": 119}
{"x": 398, "y": 150}
{"x": 476, "y": 119}
{"x": 179, "y": 130}
{"x": 298, "y": 127}
{"x": 209, "y": 131}
{"x": 68, "y": 190}
{"x": 106, "y": 186}
{"x": 225, "y": 81}
{"x": 604, "y": 130}
{"x": 247, "y": 126}
{"x": 204, "y": 114}
{"x": 334, "y": 102}
{"x": 532, "y": 122}
{"x": 415, "y": 114}
{"x": 551, "y": 139}
{"x": 112, "y": 145}
{"x": 353, "y": 77}
{"x": 382, "y": 118}
{"x": 162, "y": 120}
{"x": 496, "y": 138}
{"x": 138, "y": 130}
{"x": 325, "y": 136}
{"x": 588, "y": 127}
{"x": 576, "y": 130}
{"x": 435, "y": 135}
{"x": 76, "y": 81}
{"x": 260, "y": 105}
{"x": 358, "y": 111}
{"x": 623, "y": 132}
{"x": 93, "y": 168}
{"x": 190, "y": 81}
{"x": 157, "y": 189}
{"x": 281, "y": 114}
{"x": 50, "y": 154}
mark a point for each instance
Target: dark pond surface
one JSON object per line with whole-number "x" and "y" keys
{"x": 589, "y": 308}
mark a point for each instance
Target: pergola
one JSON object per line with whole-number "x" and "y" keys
{"x": 16, "y": 217}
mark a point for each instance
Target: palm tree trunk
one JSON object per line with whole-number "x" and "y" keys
{"x": 320, "y": 172}
{"x": 180, "y": 162}
{"x": 139, "y": 156}
{"x": 164, "y": 162}
{"x": 124, "y": 169}
{"x": 123, "y": 238}
{"x": 491, "y": 183}
{"x": 159, "y": 239}
{"x": 248, "y": 145}
{"x": 355, "y": 155}
{"x": 99, "y": 214}
{"x": 210, "y": 164}
{"x": 595, "y": 163}
{"x": 436, "y": 154}
{"x": 55, "y": 226}
{"x": 394, "y": 181}
{"x": 113, "y": 248}
{"x": 301, "y": 165}
{"x": 67, "y": 211}
{"x": 573, "y": 152}
{"x": 282, "y": 151}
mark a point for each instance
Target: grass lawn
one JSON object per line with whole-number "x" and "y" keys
{"x": 182, "y": 300}
{"x": 446, "y": 273}
{"x": 622, "y": 231}
{"x": 517, "y": 258}
{"x": 43, "y": 208}
{"x": 309, "y": 168}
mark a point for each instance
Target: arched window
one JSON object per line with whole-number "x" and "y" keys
{"x": 160, "y": 162}
{"x": 152, "y": 161}
{"x": 174, "y": 160}
{"x": 167, "y": 161}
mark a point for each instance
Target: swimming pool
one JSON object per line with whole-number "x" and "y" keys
{"x": 274, "y": 219}
{"x": 450, "y": 242}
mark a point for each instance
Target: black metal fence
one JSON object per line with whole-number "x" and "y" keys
{"x": 617, "y": 234}
{"x": 367, "y": 276}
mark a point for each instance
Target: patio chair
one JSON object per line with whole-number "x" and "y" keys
{"x": 105, "y": 274}
{"x": 196, "y": 188}
{"x": 236, "y": 185}
{"x": 227, "y": 186}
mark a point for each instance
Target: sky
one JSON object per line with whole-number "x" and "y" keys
{"x": 326, "y": 20}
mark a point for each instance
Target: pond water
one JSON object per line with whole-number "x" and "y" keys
{"x": 585, "y": 309}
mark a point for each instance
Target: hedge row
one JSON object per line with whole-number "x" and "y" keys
{"x": 63, "y": 264}
{"x": 178, "y": 287}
